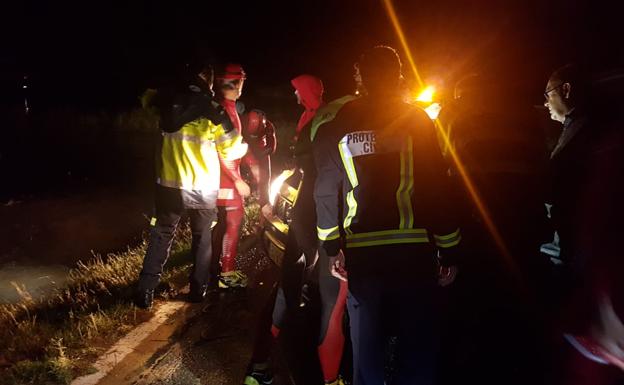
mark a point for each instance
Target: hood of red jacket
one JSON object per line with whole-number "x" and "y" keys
{"x": 310, "y": 90}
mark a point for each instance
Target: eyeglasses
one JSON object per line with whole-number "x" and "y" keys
{"x": 548, "y": 91}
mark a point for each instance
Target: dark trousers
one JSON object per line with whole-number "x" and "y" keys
{"x": 161, "y": 239}
{"x": 301, "y": 247}
{"x": 390, "y": 295}
{"x": 299, "y": 266}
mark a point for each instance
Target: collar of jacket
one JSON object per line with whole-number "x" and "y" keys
{"x": 198, "y": 87}
{"x": 571, "y": 116}
{"x": 573, "y": 123}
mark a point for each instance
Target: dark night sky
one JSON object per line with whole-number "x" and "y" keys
{"x": 96, "y": 53}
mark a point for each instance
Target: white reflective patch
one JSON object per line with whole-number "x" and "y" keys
{"x": 225, "y": 193}
{"x": 359, "y": 143}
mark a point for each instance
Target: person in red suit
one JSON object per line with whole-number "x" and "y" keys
{"x": 233, "y": 189}
{"x": 259, "y": 133}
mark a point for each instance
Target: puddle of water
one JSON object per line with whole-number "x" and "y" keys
{"x": 35, "y": 281}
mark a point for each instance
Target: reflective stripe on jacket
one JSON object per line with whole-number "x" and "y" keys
{"x": 189, "y": 159}
{"x": 382, "y": 179}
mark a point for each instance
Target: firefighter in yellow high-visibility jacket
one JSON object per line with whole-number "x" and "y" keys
{"x": 195, "y": 132}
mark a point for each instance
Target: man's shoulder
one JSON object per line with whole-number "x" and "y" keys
{"x": 359, "y": 111}
{"x": 329, "y": 135}
{"x": 328, "y": 112}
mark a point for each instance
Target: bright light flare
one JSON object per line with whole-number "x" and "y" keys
{"x": 433, "y": 110}
{"x": 470, "y": 186}
{"x": 426, "y": 95}
{"x": 277, "y": 183}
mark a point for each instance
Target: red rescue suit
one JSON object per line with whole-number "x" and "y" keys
{"x": 229, "y": 200}
{"x": 259, "y": 133}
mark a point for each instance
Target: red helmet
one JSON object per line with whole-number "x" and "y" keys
{"x": 254, "y": 122}
{"x": 231, "y": 71}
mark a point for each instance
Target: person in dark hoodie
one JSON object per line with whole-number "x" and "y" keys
{"x": 303, "y": 262}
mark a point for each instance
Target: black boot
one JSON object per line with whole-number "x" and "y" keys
{"x": 198, "y": 293}
{"x": 144, "y": 298}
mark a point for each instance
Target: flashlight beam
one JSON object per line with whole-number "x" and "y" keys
{"x": 399, "y": 31}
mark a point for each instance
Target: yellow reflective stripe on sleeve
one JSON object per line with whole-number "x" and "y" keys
{"x": 153, "y": 221}
{"x": 347, "y": 161}
{"x": 328, "y": 234}
{"x": 410, "y": 183}
{"x": 448, "y": 240}
{"x": 406, "y": 187}
{"x": 399, "y": 193}
{"x": 352, "y": 204}
{"x": 387, "y": 237}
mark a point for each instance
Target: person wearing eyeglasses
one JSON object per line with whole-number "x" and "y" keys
{"x": 586, "y": 166}
{"x": 566, "y": 96}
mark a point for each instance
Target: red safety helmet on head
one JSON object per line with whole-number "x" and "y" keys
{"x": 231, "y": 71}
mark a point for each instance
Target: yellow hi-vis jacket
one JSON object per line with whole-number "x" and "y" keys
{"x": 189, "y": 160}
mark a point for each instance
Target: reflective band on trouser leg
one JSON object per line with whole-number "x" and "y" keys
{"x": 406, "y": 187}
{"x": 387, "y": 237}
{"x": 347, "y": 161}
{"x": 328, "y": 234}
{"x": 448, "y": 240}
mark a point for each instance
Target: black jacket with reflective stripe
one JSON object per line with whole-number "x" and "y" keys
{"x": 382, "y": 179}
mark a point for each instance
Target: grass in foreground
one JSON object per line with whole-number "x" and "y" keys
{"x": 57, "y": 338}
{"x": 54, "y": 339}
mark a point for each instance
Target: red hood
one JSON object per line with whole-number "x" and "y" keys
{"x": 310, "y": 90}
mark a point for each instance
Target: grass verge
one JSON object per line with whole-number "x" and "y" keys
{"x": 56, "y": 338}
